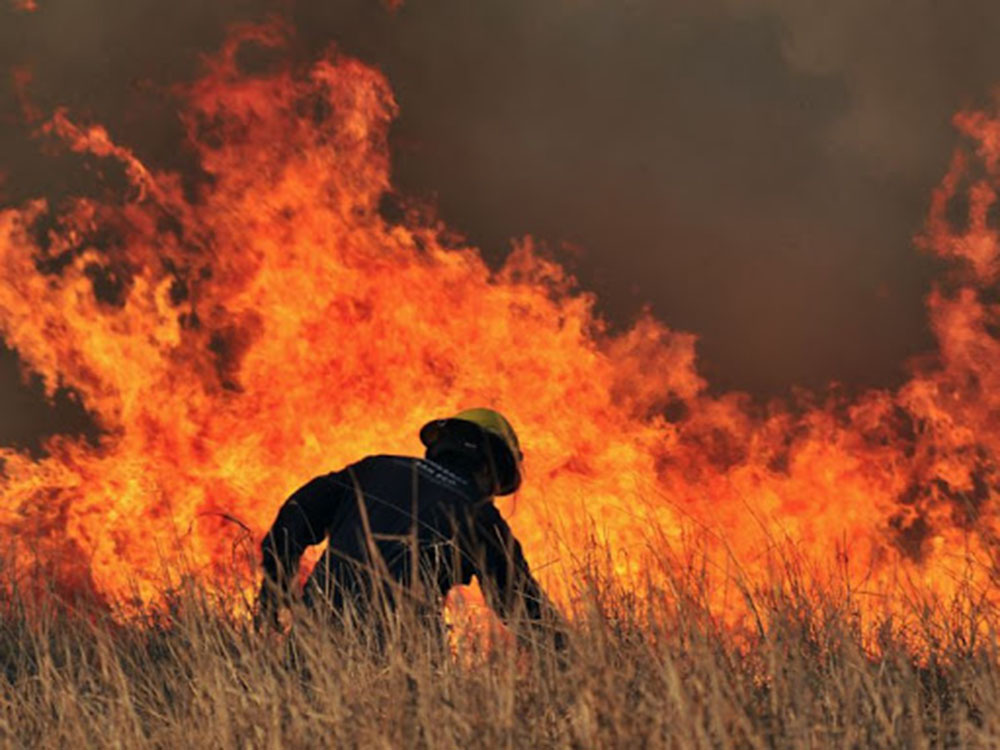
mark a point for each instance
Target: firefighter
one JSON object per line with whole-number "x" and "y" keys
{"x": 403, "y": 529}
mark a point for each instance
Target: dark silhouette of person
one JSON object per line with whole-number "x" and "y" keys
{"x": 404, "y": 529}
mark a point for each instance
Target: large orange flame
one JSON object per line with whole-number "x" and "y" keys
{"x": 274, "y": 326}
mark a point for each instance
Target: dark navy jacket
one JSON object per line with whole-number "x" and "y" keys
{"x": 383, "y": 516}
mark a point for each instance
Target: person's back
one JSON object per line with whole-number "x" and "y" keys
{"x": 386, "y": 516}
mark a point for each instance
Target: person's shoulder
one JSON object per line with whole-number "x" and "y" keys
{"x": 384, "y": 459}
{"x": 382, "y": 463}
{"x": 364, "y": 470}
{"x": 488, "y": 514}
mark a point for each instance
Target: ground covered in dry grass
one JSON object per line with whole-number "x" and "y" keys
{"x": 668, "y": 677}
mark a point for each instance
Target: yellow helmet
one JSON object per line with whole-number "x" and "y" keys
{"x": 503, "y": 451}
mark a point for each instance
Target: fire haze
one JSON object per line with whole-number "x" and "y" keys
{"x": 234, "y": 343}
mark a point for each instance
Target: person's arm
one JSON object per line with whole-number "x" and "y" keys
{"x": 301, "y": 522}
{"x": 502, "y": 570}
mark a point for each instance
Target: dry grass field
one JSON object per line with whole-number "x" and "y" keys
{"x": 636, "y": 674}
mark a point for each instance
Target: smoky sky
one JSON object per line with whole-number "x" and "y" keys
{"x": 753, "y": 171}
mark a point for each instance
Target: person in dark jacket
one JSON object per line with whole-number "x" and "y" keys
{"x": 408, "y": 529}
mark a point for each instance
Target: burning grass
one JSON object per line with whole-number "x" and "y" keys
{"x": 656, "y": 671}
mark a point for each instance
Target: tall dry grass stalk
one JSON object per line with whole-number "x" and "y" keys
{"x": 639, "y": 672}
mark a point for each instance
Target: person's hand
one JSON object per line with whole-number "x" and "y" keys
{"x": 271, "y": 612}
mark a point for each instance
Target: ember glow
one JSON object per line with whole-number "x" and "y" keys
{"x": 235, "y": 343}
